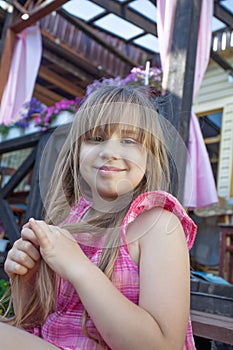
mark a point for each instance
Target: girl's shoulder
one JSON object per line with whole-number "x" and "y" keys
{"x": 161, "y": 199}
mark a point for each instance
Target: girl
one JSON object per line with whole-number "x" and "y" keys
{"x": 109, "y": 266}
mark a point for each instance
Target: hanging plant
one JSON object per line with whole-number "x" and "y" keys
{"x": 136, "y": 77}
{"x": 4, "y": 129}
{"x": 49, "y": 114}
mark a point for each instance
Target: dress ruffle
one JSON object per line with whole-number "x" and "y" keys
{"x": 149, "y": 200}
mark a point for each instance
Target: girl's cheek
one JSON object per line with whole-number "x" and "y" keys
{"x": 85, "y": 152}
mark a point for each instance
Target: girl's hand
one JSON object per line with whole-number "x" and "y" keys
{"x": 24, "y": 257}
{"x": 58, "y": 248}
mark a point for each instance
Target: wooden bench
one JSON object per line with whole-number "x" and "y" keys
{"x": 212, "y": 311}
{"x": 226, "y": 252}
{"x": 211, "y": 326}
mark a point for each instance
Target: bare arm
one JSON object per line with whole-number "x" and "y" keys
{"x": 160, "y": 320}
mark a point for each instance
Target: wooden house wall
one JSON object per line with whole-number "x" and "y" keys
{"x": 215, "y": 91}
{"x": 215, "y": 95}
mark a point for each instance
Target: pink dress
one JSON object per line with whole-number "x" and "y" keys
{"x": 63, "y": 327}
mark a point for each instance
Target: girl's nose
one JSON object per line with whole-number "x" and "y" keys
{"x": 109, "y": 149}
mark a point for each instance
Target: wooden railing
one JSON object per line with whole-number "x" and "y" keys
{"x": 211, "y": 326}
{"x": 212, "y": 311}
{"x": 36, "y": 141}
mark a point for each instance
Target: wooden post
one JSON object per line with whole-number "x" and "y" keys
{"x": 35, "y": 204}
{"x": 6, "y": 25}
{"x": 179, "y": 88}
{"x": 35, "y": 207}
{"x": 6, "y": 58}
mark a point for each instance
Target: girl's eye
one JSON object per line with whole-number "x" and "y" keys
{"x": 129, "y": 141}
{"x": 96, "y": 138}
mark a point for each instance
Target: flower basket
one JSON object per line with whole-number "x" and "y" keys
{"x": 64, "y": 117}
{"x": 31, "y": 125}
{"x": 31, "y": 128}
{"x": 26, "y": 118}
{"x": 54, "y": 115}
{"x": 14, "y": 132}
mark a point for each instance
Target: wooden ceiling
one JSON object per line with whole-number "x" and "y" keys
{"x": 76, "y": 52}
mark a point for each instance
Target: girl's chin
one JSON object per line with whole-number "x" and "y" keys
{"x": 112, "y": 199}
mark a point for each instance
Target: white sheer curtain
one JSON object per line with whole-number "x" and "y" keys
{"x": 23, "y": 72}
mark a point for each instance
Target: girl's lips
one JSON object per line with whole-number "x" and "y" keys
{"x": 105, "y": 169}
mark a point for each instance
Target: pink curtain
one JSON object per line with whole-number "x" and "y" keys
{"x": 200, "y": 189}
{"x": 22, "y": 76}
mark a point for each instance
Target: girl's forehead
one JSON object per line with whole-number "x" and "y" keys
{"x": 118, "y": 113}
{"x": 117, "y": 128}
{"x": 117, "y": 116}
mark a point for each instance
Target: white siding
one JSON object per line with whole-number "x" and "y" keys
{"x": 215, "y": 89}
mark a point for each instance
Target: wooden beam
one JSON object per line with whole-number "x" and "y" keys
{"x": 20, "y": 173}
{"x": 179, "y": 87}
{"x": 23, "y": 142}
{"x": 210, "y": 140}
{"x": 69, "y": 67}
{"x": 92, "y": 34}
{"x": 50, "y": 42}
{"x": 35, "y": 204}
{"x": 211, "y": 326}
{"x": 221, "y": 61}
{"x": 6, "y": 59}
{"x": 6, "y": 215}
{"x": 9, "y": 222}
{"x": 223, "y": 14}
{"x": 45, "y": 95}
{"x": 19, "y": 7}
{"x": 60, "y": 82}
{"x": 39, "y": 12}
{"x": 127, "y": 13}
{"x": 214, "y": 160}
{"x": 6, "y": 25}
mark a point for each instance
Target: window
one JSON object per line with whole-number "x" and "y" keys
{"x": 210, "y": 124}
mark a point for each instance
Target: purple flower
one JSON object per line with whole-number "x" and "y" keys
{"x": 105, "y": 81}
{"x": 135, "y": 77}
{"x": 49, "y": 114}
{"x": 28, "y": 108}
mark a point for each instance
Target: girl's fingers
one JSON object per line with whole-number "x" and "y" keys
{"x": 25, "y": 225}
{"x": 21, "y": 258}
{"x": 40, "y": 228}
{"x": 18, "y": 262}
{"x": 28, "y": 235}
{"x": 11, "y": 267}
{"x": 28, "y": 248}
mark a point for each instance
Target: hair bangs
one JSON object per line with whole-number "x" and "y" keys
{"x": 110, "y": 115}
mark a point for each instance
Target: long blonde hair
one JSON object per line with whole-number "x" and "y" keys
{"x": 105, "y": 106}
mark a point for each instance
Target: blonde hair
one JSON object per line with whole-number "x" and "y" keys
{"x": 105, "y": 107}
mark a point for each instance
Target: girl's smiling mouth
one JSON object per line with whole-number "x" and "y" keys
{"x": 105, "y": 169}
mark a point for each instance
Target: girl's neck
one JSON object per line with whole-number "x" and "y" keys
{"x": 101, "y": 205}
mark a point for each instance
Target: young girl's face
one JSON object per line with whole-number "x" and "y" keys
{"x": 112, "y": 164}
